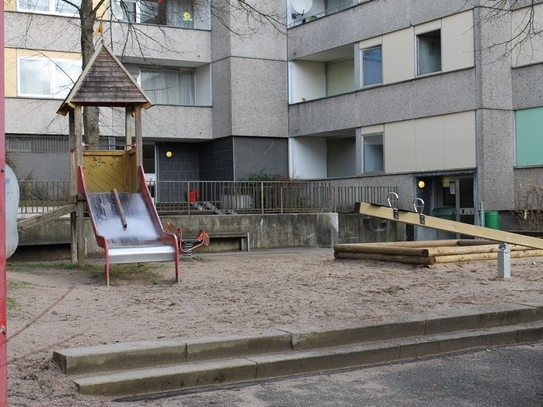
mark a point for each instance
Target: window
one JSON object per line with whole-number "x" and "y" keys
{"x": 168, "y": 86}
{"x": 333, "y": 6}
{"x": 173, "y": 13}
{"x": 49, "y": 6}
{"x": 372, "y": 66}
{"x": 339, "y": 77}
{"x": 43, "y": 77}
{"x": 373, "y": 153}
{"x": 529, "y": 137}
{"x": 429, "y": 52}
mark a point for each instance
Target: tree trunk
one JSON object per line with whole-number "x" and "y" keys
{"x": 91, "y": 115}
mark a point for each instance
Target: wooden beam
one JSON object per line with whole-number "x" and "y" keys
{"x": 47, "y": 216}
{"x": 427, "y": 261}
{"x": 413, "y": 218}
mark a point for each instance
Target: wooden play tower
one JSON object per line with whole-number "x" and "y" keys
{"x": 106, "y": 83}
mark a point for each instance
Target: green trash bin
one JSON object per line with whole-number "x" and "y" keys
{"x": 492, "y": 220}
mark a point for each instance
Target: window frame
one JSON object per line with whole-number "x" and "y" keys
{"x": 150, "y": 93}
{"x": 363, "y": 65}
{"x": 427, "y": 37}
{"x": 379, "y": 160}
{"x": 134, "y": 16}
{"x": 52, "y": 7}
{"x": 53, "y": 64}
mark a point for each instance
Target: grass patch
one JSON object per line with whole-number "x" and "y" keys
{"x": 12, "y": 304}
{"x": 13, "y": 285}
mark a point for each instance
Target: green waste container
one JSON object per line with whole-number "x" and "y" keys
{"x": 444, "y": 213}
{"x": 492, "y": 220}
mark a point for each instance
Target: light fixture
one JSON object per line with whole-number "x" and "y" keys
{"x": 421, "y": 184}
{"x": 169, "y": 154}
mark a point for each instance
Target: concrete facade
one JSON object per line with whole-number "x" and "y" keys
{"x": 440, "y": 120}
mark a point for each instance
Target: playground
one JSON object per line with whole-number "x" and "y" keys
{"x": 58, "y": 305}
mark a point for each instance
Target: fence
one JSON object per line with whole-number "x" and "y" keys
{"x": 42, "y": 196}
{"x": 203, "y": 197}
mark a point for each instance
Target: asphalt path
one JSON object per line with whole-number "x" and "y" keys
{"x": 507, "y": 376}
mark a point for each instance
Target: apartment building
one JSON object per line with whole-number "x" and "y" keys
{"x": 217, "y": 81}
{"x": 441, "y": 99}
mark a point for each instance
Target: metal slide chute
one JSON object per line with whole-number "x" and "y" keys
{"x": 127, "y": 226}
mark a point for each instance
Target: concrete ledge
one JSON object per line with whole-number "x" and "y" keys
{"x": 467, "y": 319}
{"x": 254, "y": 368}
{"x": 118, "y": 356}
{"x": 154, "y": 367}
{"x": 232, "y": 346}
{"x": 168, "y": 378}
{"x": 324, "y": 338}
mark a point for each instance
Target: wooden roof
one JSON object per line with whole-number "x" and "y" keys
{"x": 105, "y": 82}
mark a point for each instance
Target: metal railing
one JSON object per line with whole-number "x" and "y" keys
{"x": 37, "y": 197}
{"x": 222, "y": 197}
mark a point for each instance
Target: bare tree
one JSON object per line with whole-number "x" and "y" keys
{"x": 254, "y": 14}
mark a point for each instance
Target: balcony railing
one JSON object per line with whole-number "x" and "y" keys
{"x": 217, "y": 197}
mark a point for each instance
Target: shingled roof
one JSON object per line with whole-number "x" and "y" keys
{"x": 105, "y": 82}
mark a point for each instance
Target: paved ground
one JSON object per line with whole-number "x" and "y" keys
{"x": 510, "y": 376}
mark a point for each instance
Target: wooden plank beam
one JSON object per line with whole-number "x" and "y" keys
{"x": 413, "y": 218}
{"x": 47, "y": 216}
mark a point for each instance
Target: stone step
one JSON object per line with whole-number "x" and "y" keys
{"x": 251, "y": 368}
{"x": 157, "y": 366}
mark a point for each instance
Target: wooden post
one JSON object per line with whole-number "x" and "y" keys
{"x": 80, "y": 211}
{"x": 139, "y": 143}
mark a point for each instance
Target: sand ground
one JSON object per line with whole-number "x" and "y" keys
{"x": 57, "y": 305}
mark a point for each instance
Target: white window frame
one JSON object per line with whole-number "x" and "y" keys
{"x": 52, "y": 8}
{"x": 56, "y": 90}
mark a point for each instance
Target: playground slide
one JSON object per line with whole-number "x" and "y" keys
{"x": 127, "y": 226}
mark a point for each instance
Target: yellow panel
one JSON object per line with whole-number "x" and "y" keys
{"x": 104, "y": 170}
{"x": 10, "y": 5}
{"x": 10, "y": 80}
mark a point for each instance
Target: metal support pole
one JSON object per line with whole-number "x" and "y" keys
{"x": 504, "y": 261}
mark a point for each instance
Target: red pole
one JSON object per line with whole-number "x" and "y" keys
{"x": 3, "y": 285}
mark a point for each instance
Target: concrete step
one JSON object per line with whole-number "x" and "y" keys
{"x": 153, "y": 367}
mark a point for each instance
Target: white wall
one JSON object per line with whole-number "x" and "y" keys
{"x": 202, "y": 84}
{"x": 307, "y": 158}
{"x": 307, "y": 80}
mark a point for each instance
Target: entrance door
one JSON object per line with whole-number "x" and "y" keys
{"x": 454, "y": 201}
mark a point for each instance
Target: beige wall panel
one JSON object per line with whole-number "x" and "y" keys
{"x": 428, "y": 27}
{"x": 400, "y": 147}
{"x": 398, "y": 56}
{"x": 10, "y": 80}
{"x": 430, "y": 148}
{"x": 378, "y": 128}
{"x": 457, "y": 42}
{"x": 527, "y": 51}
{"x": 459, "y": 140}
{"x": 370, "y": 43}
